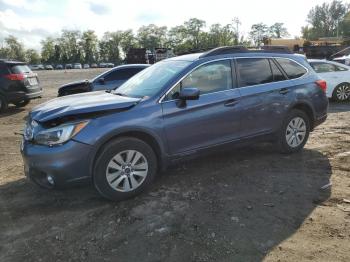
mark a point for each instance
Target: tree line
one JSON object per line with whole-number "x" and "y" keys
{"x": 326, "y": 20}
{"x": 85, "y": 47}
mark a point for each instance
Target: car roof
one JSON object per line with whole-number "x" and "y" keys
{"x": 15, "y": 62}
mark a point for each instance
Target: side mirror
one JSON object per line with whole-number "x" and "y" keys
{"x": 101, "y": 80}
{"x": 187, "y": 93}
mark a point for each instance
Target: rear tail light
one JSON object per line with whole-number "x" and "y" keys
{"x": 322, "y": 84}
{"x": 14, "y": 77}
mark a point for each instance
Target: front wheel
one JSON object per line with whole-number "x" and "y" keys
{"x": 294, "y": 132}
{"x": 341, "y": 93}
{"x": 124, "y": 168}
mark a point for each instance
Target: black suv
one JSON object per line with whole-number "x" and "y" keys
{"x": 18, "y": 84}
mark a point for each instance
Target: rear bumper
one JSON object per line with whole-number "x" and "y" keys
{"x": 18, "y": 96}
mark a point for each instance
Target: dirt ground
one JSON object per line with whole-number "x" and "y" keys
{"x": 250, "y": 204}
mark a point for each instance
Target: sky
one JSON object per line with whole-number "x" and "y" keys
{"x": 32, "y": 20}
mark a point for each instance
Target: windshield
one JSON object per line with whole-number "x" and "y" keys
{"x": 151, "y": 80}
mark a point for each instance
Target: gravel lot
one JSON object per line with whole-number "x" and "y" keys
{"x": 249, "y": 204}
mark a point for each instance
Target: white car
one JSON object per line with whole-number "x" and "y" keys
{"x": 337, "y": 77}
{"x": 77, "y": 66}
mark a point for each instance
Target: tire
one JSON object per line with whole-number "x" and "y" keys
{"x": 22, "y": 103}
{"x": 289, "y": 139}
{"x": 3, "y": 104}
{"x": 341, "y": 92}
{"x": 115, "y": 177}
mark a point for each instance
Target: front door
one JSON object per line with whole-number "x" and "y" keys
{"x": 212, "y": 119}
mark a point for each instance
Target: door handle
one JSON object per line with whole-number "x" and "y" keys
{"x": 231, "y": 102}
{"x": 284, "y": 91}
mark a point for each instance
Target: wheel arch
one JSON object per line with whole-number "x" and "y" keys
{"x": 143, "y": 135}
{"x": 307, "y": 109}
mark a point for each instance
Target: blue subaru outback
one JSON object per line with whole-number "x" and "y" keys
{"x": 178, "y": 107}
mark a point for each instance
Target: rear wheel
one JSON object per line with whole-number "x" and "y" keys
{"x": 294, "y": 132}
{"x": 124, "y": 168}
{"x": 3, "y": 104}
{"x": 22, "y": 103}
{"x": 341, "y": 93}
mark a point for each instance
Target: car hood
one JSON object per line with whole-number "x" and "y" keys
{"x": 81, "y": 104}
{"x": 77, "y": 83}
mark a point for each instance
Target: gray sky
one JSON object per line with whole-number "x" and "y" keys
{"x": 32, "y": 20}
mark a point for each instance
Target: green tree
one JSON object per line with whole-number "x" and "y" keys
{"x": 48, "y": 50}
{"x": 32, "y": 56}
{"x": 13, "y": 49}
{"x": 152, "y": 36}
{"x": 89, "y": 45}
{"x": 258, "y": 32}
{"x": 71, "y": 49}
{"x": 128, "y": 40}
{"x": 325, "y": 20}
{"x": 110, "y": 47}
{"x": 193, "y": 29}
{"x": 278, "y": 30}
{"x": 219, "y": 35}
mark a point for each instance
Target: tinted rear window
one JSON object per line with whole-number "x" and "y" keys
{"x": 19, "y": 69}
{"x": 292, "y": 69}
{"x": 253, "y": 71}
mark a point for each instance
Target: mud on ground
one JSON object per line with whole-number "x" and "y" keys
{"x": 250, "y": 204}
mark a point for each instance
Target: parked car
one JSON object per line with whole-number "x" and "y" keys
{"x": 59, "y": 67}
{"x": 18, "y": 84}
{"x": 178, "y": 107}
{"x": 48, "y": 67}
{"x": 77, "y": 66}
{"x": 108, "y": 80}
{"x": 337, "y": 77}
{"x": 94, "y": 65}
{"x": 86, "y": 66}
{"x": 102, "y": 65}
{"x": 342, "y": 60}
{"x": 34, "y": 67}
{"x": 68, "y": 66}
{"x": 109, "y": 65}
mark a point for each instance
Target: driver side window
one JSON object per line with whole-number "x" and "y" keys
{"x": 209, "y": 78}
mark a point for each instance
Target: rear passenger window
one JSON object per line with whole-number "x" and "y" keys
{"x": 253, "y": 71}
{"x": 277, "y": 74}
{"x": 292, "y": 69}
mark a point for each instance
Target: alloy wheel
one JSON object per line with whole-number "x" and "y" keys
{"x": 296, "y": 132}
{"x": 127, "y": 170}
{"x": 343, "y": 92}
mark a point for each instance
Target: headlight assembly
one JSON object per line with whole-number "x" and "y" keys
{"x": 59, "y": 134}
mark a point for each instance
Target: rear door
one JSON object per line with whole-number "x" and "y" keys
{"x": 212, "y": 119}
{"x": 264, "y": 95}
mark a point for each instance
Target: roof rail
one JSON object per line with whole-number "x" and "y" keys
{"x": 225, "y": 50}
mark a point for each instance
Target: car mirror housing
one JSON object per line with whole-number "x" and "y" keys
{"x": 101, "y": 80}
{"x": 187, "y": 93}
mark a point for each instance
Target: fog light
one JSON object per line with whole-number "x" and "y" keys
{"x": 50, "y": 180}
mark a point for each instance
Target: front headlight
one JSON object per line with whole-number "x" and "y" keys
{"x": 59, "y": 134}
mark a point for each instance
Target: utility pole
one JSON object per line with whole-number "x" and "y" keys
{"x": 237, "y": 22}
